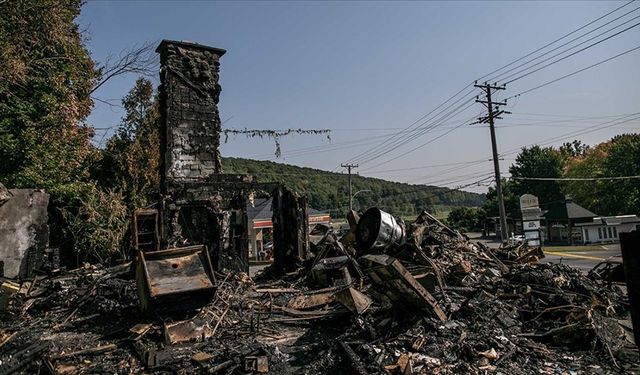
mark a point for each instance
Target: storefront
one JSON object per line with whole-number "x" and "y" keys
{"x": 260, "y": 229}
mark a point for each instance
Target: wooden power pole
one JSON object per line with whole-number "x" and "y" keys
{"x": 349, "y": 166}
{"x": 494, "y": 113}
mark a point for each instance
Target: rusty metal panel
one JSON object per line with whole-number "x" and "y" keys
{"x": 175, "y": 278}
{"x": 399, "y": 284}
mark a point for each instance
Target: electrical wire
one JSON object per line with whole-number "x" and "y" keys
{"x": 574, "y": 178}
{"x": 424, "y": 127}
{"x": 574, "y": 73}
{"x": 557, "y": 40}
{"x": 384, "y": 153}
{"x": 565, "y": 57}
{"x": 394, "y": 142}
{"x": 499, "y": 76}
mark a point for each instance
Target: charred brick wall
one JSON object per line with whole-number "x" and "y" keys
{"x": 189, "y": 96}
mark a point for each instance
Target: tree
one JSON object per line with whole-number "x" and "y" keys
{"x": 618, "y": 157}
{"x": 623, "y": 196}
{"x": 46, "y": 74}
{"x": 538, "y": 162}
{"x": 466, "y": 219}
{"x": 574, "y": 149}
{"x": 511, "y": 201}
{"x": 131, "y": 159}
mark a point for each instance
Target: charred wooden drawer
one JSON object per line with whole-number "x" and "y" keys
{"x": 175, "y": 279}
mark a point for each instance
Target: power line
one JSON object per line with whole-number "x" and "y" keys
{"x": 333, "y": 146}
{"x": 573, "y": 134}
{"x": 422, "y": 190}
{"x": 393, "y": 142}
{"x": 420, "y": 167}
{"x": 362, "y": 157}
{"x": 412, "y": 124}
{"x": 569, "y": 135}
{"x": 578, "y": 117}
{"x": 421, "y": 145}
{"x": 569, "y": 55}
{"x": 422, "y": 129}
{"x": 574, "y": 73}
{"x": 497, "y": 78}
{"x": 575, "y": 178}
{"x": 556, "y": 40}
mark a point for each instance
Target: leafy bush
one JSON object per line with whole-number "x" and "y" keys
{"x": 96, "y": 220}
{"x": 466, "y": 219}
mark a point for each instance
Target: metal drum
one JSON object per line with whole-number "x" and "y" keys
{"x": 377, "y": 230}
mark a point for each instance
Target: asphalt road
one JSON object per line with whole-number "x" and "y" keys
{"x": 584, "y": 260}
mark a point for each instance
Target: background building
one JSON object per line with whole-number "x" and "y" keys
{"x": 608, "y": 229}
{"x": 259, "y": 217}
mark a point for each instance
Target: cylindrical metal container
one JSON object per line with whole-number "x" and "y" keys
{"x": 378, "y": 230}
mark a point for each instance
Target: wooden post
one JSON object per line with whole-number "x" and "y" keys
{"x": 630, "y": 245}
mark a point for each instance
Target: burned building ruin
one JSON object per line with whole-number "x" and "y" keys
{"x": 200, "y": 204}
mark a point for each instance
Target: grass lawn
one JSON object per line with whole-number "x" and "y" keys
{"x": 568, "y": 249}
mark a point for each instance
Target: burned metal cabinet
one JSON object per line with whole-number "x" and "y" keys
{"x": 179, "y": 278}
{"x": 290, "y": 230}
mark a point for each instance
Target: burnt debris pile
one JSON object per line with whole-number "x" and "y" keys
{"x": 384, "y": 297}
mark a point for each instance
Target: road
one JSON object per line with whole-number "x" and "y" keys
{"x": 584, "y": 260}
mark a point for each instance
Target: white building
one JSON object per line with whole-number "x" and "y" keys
{"x": 607, "y": 228}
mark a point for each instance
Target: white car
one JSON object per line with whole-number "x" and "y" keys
{"x": 516, "y": 239}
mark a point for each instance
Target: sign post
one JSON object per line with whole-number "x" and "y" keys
{"x": 531, "y": 215}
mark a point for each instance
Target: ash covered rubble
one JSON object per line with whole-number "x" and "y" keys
{"x": 382, "y": 298}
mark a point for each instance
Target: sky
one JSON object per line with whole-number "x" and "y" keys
{"x": 368, "y": 70}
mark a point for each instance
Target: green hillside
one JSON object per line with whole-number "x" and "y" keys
{"x": 328, "y": 191}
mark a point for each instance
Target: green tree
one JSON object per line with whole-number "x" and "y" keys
{"x": 537, "y": 161}
{"x": 615, "y": 158}
{"x": 130, "y": 161}
{"x": 511, "y": 201}
{"x": 623, "y": 196}
{"x": 466, "y": 219}
{"x": 46, "y": 74}
{"x": 573, "y": 149}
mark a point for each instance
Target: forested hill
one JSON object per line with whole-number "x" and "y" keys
{"x": 328, "y": 191}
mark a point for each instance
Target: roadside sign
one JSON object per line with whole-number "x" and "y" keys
{"x": 528, "y": 201}
{"x": 531, "y": 225}
{"x": 533, "y": 235}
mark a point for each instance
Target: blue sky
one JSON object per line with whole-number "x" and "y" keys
{"x": 368, "y": 69}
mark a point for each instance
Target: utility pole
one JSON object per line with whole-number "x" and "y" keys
{"x": 349, "y": 166}
{"x": 493, "y": 113}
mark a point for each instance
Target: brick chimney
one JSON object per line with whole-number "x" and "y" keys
{"x": 190, "y": 125}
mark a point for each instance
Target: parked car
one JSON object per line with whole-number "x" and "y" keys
{"x": 516, "y": 239}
